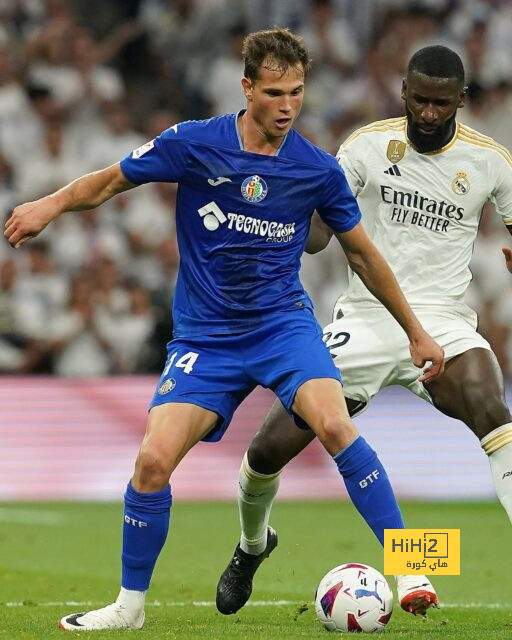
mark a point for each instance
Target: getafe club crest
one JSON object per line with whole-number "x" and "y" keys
{"x": 396, "y": 150}
{"x": 460, "y": 184}
{"x": 254, "y": 189}
{"x": 167, "y": 386}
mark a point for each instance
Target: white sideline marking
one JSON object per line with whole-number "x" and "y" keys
{"x": 31, "y": 516}
{"x": 255, "y": 603}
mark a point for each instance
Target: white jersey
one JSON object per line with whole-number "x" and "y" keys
{"x": 423, "y": 210}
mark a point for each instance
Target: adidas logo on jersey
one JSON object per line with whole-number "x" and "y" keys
{"x": 393, "y": 171}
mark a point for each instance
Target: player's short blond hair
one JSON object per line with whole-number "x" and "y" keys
{"x": 278, "y": 48}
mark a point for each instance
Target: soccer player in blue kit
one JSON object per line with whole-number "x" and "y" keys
{"x": 248, "y": 186}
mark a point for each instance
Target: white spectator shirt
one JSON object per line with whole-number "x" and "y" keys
{"x": 83, "y": 356}
{"x": 422, "y": 211}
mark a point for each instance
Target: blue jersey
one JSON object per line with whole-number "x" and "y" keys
{"x": 242, "y": 220}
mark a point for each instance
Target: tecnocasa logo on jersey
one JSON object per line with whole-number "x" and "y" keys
{"x": 213, "y": 217}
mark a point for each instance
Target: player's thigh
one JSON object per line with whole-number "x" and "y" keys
{"x": 172, "y": 430}
{"x": 288, "y": 351}
{"x": 289, "y": 355}
{"x": 277, "y": 442}
{"x": 367, "y": 346}
{"x": 208, "y": 373}
{"x": 471, "y": 389}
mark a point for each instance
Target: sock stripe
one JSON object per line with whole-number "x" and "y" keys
{"x": 497, "y": 443}
{"x": 496, "y": 432}
{"x": 261, "y": 540}
{"x": 254, "y": 475}
{"x": 497, "y": 439}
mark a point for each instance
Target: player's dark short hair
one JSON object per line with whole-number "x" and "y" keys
{"x": 280, "y": 48}
{"x": 437, "y": 62}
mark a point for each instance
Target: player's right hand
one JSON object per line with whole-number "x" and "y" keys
{"x": 425, "y": 351}
{"x": 28, "y": 220}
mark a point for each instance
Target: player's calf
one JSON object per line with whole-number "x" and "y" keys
{"x": 277, "y": 442}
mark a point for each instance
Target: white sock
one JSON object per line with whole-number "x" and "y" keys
{"x": 498, "y": 446}
{"x": 133, "y": 601}
{"x": 256, "y": 492}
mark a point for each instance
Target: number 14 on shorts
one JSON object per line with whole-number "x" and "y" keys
{"x": 185, "y": 362}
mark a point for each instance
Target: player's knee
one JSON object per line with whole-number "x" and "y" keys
{"x": 276, "y": 444}
{"x": 266, "y": 455}
{"x": 335, "y": 432}
{"x": 152, "y": 470}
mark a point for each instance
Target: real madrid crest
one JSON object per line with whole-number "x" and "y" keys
{"x": 460, "y": 184}
{"x": 396, "y": 150}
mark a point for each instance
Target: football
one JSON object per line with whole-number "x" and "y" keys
{"x": 353, "y": 597}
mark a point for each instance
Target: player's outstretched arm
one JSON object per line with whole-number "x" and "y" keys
{"x": 319, "y": 235}
{"x": 29, "y": 219}
{"x": 365, "y": 259}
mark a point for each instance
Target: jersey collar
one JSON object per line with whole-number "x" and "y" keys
{"x": 240, "y": 144}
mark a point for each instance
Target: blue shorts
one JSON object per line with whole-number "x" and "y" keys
{"x": 219, "y": 372}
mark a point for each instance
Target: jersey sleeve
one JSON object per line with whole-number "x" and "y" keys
{"x": 163, "y": 159}
{"x": 501, "y": 195}
{"x": 338, "y": 207}
{"x": 348, "y": 162}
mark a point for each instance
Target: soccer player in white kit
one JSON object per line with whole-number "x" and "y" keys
{"x": 421, "y": 182}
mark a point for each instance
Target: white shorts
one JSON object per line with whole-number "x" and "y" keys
{"x": 372, "y": 351}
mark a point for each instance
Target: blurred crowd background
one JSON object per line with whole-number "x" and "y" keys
{"x": 83, "y": 82}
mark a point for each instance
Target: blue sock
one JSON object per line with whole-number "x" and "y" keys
{"x": 146, "y": 522}
{"x": 369, "y": 488}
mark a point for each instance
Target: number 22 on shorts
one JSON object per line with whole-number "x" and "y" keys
{"x": 333, "y": 341}
{"x": 186, "y": 362}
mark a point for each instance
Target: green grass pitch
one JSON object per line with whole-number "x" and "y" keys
{"x": 53, "y": 554}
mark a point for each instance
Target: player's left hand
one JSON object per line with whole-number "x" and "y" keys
{"x": 507, "y": 252}
{"x": 425, "y": 351}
